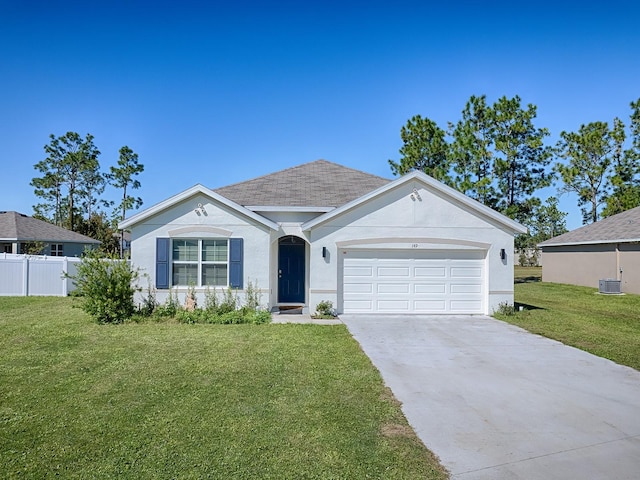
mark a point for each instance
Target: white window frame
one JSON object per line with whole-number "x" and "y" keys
{"x": 57, "y": 250}
{"x": 199, "y": 262}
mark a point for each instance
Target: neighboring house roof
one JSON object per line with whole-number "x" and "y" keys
{"x": 314, "y": 184}
{"x": 447, "y": 191}
{"x": 18, "y": 227}
{"x": 620, "y": 228}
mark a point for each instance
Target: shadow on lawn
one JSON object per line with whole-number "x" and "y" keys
{"x": 529, "y": 279}
{"x": 526, "y": 306}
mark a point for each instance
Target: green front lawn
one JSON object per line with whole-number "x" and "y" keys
{"x": 605, "y": 325}
{"x": 81, "y": 400}
{"x": 527, "y": 274}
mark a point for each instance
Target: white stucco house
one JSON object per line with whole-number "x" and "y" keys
{"x": 322, "y": 231}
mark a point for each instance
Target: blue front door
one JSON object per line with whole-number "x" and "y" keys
{"x": 291, "y": 270}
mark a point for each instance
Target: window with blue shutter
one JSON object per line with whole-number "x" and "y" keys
{"x": 236, "y": 257}
{"x": 199, "y": 262}
{"x": 163, "y": 246}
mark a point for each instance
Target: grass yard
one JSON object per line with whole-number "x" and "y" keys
{"x": 527, "y": 274}
{"x": 605, "y": 325}
{"x": 80, "y": 400}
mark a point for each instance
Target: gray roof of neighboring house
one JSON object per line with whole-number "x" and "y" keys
{"x": 22, "y": 228}
{"x": 315, "y": 184}
{"x": 620, "y": 228}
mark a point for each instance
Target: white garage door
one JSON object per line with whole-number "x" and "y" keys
{"x": 413, "y": 281}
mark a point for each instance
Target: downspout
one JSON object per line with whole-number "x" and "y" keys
{"x": 618, "y": 270}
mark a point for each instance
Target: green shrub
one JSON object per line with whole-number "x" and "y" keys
{"x": 106, "y": 287}
{"x": 505, "y": 308}
{"x": 192, "y": 316}
{"x": 324, "y": 309}
{"x": 211, "y": 300}
{"x": 149, "y": 302}
{"x": 259, "y": 317}
{"x": 252, "y": 296}
{"x": 169, "y": 308}
{"x": 216, "y": 310}
{"x": 229, "y": 301}
{"x": 233, "y": 317}
{"x": 522, "y": 259}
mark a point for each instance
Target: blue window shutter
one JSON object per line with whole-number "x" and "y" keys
{"x": 162, "y": 262}
{"x": 236, "y": 257}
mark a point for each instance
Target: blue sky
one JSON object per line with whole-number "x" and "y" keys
{"x": 220, "y": 92}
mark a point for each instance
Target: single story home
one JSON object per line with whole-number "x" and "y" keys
{"x": 324, "y": 232}
{"x": 20, "y": 233}
{"x": 607, "y": 249}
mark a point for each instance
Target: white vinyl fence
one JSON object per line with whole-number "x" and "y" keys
{"x": 25, "y": 275}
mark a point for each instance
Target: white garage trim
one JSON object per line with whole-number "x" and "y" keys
{"x": 414, "y": 281}
{"x": 431, "y": 243}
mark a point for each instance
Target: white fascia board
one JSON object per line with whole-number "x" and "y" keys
{"x": 276, "y": 208}
{"x": 159, "y": 207}
{"x": 431, "y": 182}
{"x": 590, "y": 242}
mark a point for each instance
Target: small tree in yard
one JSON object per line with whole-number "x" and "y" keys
{"x": 106, "y": 287}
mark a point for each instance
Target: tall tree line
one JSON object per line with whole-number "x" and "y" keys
{"x": 496, "y": 154}
{"x": 71, "y": 186}
{"x": 599, "y": 169}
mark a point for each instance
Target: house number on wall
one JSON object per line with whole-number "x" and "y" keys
{"x": 415, "y": 245}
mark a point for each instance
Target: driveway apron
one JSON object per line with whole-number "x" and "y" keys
{"x": 493, "y": 401}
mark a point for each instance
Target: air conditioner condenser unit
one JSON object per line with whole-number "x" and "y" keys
{"x": 610, "y": 286}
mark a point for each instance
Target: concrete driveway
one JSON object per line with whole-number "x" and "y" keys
{"x": 495, "y": 402}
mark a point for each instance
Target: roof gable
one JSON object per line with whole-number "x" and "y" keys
{"x": 620, "y": 228}
{"x": 314, "y": 184}
{"x": 159, "y": 207}
{"x": 474, "y": 206}
{"x": 19, "y": 227}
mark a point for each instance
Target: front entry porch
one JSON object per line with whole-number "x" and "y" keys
{"x": 291, "y": 274}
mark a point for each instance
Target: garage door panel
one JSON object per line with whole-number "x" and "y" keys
{"x": 402, "y": 272}
{"x": 358, "y": 305}
{"x": 393, "y": 282}
{"x": 430, "y": 306}
{"x": 431, "y": 272}
{"x": 429, "y": 288}
{"x": 466, "y": 272}
{"x": 393, "y": 288}
{"x": 465, "y": 288}
{"x": 393, "y": 305}
{"x": 358, "y": 287}
{"x": 466, "y": 305}
{"x": 358, "y": 271}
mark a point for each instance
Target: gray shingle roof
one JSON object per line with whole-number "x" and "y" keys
{"x": 18, "y": 227}
{"x": 315, "y": 184}
{"x": 621, "y": 228}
